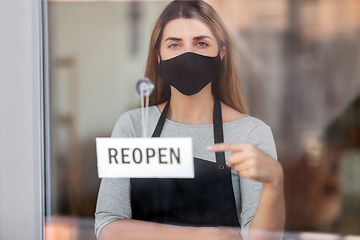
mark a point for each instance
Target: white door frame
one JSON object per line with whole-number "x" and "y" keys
{"x": 21, "y": 120}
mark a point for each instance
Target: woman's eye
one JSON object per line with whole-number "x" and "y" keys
{"x": 174, "y": 45}
{"x": 203, "y": 44}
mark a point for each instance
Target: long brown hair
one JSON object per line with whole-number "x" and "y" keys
{"x": 227, "y": 86}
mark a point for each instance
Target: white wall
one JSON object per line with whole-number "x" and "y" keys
{"x": 97, "y": 35}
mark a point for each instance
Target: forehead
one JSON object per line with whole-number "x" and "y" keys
{"x": 183, "y": 28}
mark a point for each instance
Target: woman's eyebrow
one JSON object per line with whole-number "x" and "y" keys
{"x": 201, "y": 37}
{"x": 195, "y": 38}
{"x": 173, "y": 39}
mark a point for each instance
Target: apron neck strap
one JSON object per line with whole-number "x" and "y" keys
{"x": 217, "y": 128}
{"x": 217, "y": 122}
{"x": 161, "y": 122}
{"x": 218, "y": 132}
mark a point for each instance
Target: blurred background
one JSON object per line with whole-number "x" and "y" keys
{"x": 299, "y": 62}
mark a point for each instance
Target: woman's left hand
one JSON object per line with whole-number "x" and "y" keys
{"x": 251, "y": 162}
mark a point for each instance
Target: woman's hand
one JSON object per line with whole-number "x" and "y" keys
{"x": 251, "y": 162}
{"x": 269, "y": 219}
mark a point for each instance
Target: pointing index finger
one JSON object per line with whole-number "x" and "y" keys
{"x": 221, "y": 147}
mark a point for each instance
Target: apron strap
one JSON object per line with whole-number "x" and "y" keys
{"x": 218, "y": 131}
{"x": 217, "y": 127}
{"x": 161, "y": 122}
{"x": 217, "y": 119}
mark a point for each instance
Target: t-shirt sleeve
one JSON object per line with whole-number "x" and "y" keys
{"x": 113, "y": 201}
{"x": 261, "y": 136}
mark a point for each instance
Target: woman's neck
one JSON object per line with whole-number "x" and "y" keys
{"x": 196, "y": 109}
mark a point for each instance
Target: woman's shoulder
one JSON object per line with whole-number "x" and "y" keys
{"x": 134, "y": 115}
{"x": 230, "y": 115}
{"x": 129, "y": 116}
{"x": 245, "y": 127}
{"x": 129, "y": 123}
{"x": 252, "y": 130}
{"x": 161, "y": 106}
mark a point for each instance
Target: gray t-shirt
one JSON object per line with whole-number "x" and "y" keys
{"x": 114, "y": 194}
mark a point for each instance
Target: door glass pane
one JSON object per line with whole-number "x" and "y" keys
{"x": 97, "y": 53}
{"x": 299, "y": 66}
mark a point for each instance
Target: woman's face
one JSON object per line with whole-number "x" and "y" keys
{"x": 188, "y": 35}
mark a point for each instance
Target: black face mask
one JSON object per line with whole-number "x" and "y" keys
{"x": 189, "y": 73}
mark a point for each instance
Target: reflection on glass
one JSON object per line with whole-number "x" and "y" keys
{"x": 300, "y": 64}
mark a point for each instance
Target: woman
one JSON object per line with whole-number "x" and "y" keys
{"x": 191, "y": 60}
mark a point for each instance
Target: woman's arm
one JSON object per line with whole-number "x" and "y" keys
{"x": 113, "y": 219}
{"x": 256, "y": 160}
{"x": 129, "y": 229}
{"x": 269, "y": 219}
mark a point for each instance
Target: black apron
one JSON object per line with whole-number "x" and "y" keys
{"x": 206, "y": 200}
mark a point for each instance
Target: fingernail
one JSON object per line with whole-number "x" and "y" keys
{"x": 209, "y": 148}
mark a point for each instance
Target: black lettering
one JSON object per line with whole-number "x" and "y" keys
{"x": 140, "y": 154}
{"x": 177, "y": 157}
{"x": 161, "y": 155}
{"x": 124, "y": 155}
{"x": 148, "y": 156}
{"x": 112, "y": 156}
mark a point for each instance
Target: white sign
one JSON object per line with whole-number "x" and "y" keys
{"x": 145, "y": 157}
